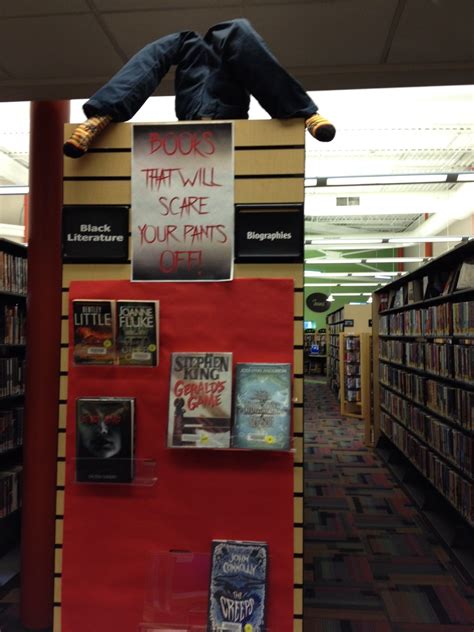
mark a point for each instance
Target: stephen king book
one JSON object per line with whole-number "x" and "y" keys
{"x": 237, "y": 591}
{"x": 262, "y": 410}
{"x": 137, "y": 333}
{"x": 93, "y": 326}
{"x": 200, "y": 403}
{"x": 104, "y": 439}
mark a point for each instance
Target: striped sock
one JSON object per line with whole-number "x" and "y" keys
{"x": 320, "y": 128}
{"x": 84, "y": 134}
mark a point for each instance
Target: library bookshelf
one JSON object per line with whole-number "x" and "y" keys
{"x": 349, "y": 319}
{"x": 423, "y": 356}
{"x": 13, "y": 269}
{"x": 355, "y": 375}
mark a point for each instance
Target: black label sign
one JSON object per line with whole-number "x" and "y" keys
{"x": 269, "y": 233}
{"x": 95, "y": 233}
{"x": 317, "y": 302}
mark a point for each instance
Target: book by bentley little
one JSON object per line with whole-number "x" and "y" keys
{"x": 104, "y": 439}
{"x": 200, "y": 401}
{"x": 237, "y": 591}
{"x": 137, "y": 333}
{"x": 93, "y": 331}
{"x": 262, "y": 411}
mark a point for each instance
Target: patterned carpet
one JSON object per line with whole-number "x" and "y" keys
{"x": 370, "y": 563}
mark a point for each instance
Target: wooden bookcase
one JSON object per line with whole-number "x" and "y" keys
{"x": 349, "y": 319}
{"x": 424, "y": 379}
{"x": 355, "y": 375}
{"x": 12, "y": 389}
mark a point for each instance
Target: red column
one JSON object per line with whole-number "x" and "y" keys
{"x": 400, "y": 253}
{"x": 428, "y": 245}
{"x": 43, "y": 363}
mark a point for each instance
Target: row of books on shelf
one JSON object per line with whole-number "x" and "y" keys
{"x": 451, "y": 484}
{"x": 446, "y": 319}
{"x": 10, "y": 490}
{"x": 451, "y": 403}
{"x": 13, "y": 273}
{"x": 453, "y": 361}
{"x": 454, "y": 445}
{"x": 437, "y": 282}
{"x": 12, "y": 377}
{"x": 13, "y": 325}
{"x": 116, "y": 332}
{"x": 201, "y": 414}
{"x": 353, "y": 393}
{"x": 11, "y": 428}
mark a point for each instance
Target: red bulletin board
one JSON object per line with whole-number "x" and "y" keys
{"x": 111, "y": 533}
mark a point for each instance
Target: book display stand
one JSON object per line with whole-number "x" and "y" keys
{"x": 143, "y": 472}
{"x": 154, "y": 532}
{"x": 424, "y": 390}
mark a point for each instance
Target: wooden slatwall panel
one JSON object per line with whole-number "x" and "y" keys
{"x": 269, "y": 168}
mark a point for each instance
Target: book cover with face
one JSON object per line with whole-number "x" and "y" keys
{"x": 104, "y": 439}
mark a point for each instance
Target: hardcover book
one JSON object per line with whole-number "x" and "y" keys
{"x": 104, "y": 439}
{"x": 262, "y": 411}
{"x": 93, "y": 326}
{"x": 237, "y": 591}
{"x": 137, "y": 333}
{"x": 200, "y": 403}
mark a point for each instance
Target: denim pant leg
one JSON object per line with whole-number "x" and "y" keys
{"x": 252, "y": 63}
{"x": 127, "y": 91}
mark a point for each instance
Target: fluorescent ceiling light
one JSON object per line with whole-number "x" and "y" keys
{"x": 335, "y": 284}
{"x": 416, "y": 178}
{"x": 335, "y": 242}
{"x": 12, "y": 230}
{"x": 423, "y": 240}
{"x": 351, "y": 294}
{"x": 380, "y": 274}
{"x": 13, "y": 190}
{"x": 320, "y": 260}
{"x": 466, "y": 177}
{"x": 342, "y": 211}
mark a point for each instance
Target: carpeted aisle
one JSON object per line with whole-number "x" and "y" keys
{"x": 370, "y": 564}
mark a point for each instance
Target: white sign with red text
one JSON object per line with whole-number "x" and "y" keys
{"x": 183, "y": 202}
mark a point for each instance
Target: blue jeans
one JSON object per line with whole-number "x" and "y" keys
{"x": 215, "y": 76}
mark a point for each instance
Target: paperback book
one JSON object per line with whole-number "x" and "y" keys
{"x": 137, "y": 333}
{"x": 200, "y": 402}
{"x": 465, "y": 280}
{"x": 93, "y": 331}
{"x": 104, "y": 439}
{"x": 262, "y": 411}
{"x": 237, "y": 590}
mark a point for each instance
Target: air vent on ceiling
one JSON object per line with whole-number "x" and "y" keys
{"x": 347, "y": 201}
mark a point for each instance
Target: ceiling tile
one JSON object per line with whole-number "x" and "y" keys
{"x": 434, "y": 31}
{"x": 61, "y": 55}
{"x": 45, "y": 7}
{"x": 326, "y": 33}
{"x": 139, "y": 5}
{"x": 134, "y": 30}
